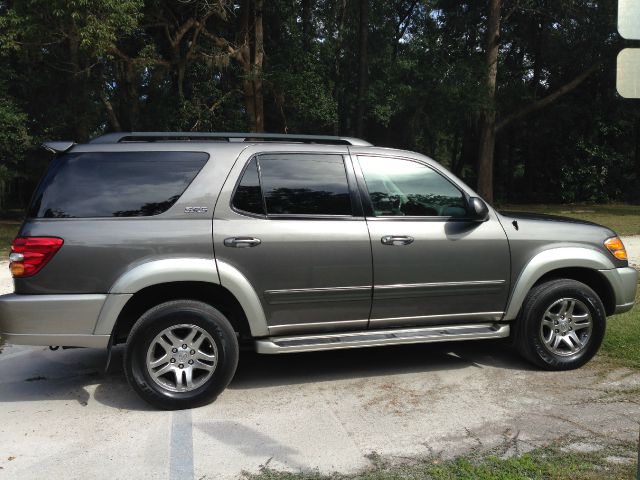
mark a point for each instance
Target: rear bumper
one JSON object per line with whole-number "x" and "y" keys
{"x": 67, "y": 320}
{"x": 624, "y": 282}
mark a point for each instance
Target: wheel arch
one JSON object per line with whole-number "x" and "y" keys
{"x": 215, "y": 283}
{"x": 576, "y": 263}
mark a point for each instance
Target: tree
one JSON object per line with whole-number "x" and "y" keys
{"x": 488, "y": 115}
{"x": 489, "y": 127}
{"x": 363, "y": 65}
{"x": 512, "y": 95}
{"x": 251, "y": 57}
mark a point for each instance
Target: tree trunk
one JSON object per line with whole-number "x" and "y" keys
{"x": 306, "y": 25}
{"x": 111, "y": 114}
{"x": 251, "y": 58}
{"x": 455, "y": 148}
{"x": 363, "y": 67}
{"x": 340, "y": 126}
{"x": 488, "y": 115}
{"x": 76, "y": 92}
{"x": 181, "y": 67}
{"x": 258, "y": 60}
{"x": 247, "y": 86}
{"x": 637, "y": 151}
{"x": 537, "y": 58}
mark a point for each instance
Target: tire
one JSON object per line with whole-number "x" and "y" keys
{"x": 542, "y": 321}
{"x": 187, "y": 377}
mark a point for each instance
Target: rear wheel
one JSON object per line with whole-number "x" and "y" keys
{"x": 181, "y": 354}
{"x": 561, "y": 325}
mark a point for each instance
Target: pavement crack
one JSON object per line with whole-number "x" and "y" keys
{"x": 583, "y": 427}
{"x": 474, "y": 436}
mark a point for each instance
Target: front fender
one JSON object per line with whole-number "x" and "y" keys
{"x": 182, "y": 270}
{"x": 547, "y": 261}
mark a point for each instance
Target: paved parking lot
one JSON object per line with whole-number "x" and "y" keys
{"x": 60, "y": 416}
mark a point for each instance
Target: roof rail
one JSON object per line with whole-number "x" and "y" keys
{"x": 122, "y": 137}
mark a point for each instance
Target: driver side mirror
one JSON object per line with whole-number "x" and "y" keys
{"x": 478, "y": 210}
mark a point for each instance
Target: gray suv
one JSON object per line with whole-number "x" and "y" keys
{"x": 184, "y": 246}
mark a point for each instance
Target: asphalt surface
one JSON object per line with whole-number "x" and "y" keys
{"x": 60, "y": 416}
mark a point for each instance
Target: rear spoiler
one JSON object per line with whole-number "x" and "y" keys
{"x": 58, "y": 147}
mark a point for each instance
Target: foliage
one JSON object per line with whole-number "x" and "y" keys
{"x": 8, "y": 231}
{"x": 72, "y": 69}
{"x": 14, "y": 141}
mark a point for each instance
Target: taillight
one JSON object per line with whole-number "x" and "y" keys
{"x": 30, "y": 254}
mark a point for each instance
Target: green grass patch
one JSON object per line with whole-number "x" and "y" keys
{"x": 622, "y": 341}
{"x": 623, "y": 219}
{"x": 549, "y": 463}
{"x": 8, "y": 231}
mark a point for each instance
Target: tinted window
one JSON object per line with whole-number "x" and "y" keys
{"x": 401, "y": 187}
{"x": 131, "y": 184}
{"x": 248, "y": 196}
{"x": 305, "y": 184}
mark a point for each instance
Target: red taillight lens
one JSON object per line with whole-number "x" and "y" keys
{"x": 30, "y": 254}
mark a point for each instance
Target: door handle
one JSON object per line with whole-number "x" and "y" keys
{"x": 241, "y": 242}
{"x": 396, "y": 240}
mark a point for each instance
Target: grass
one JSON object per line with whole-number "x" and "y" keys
{"x": 548, "y": 463}
{"x": 8, "y": 231}
{"x": 622, "y": 341}
{"x": 623, "y": 219}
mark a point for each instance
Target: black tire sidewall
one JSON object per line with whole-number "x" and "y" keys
{"x": 176, "y": 313}
{"x": 536, "y": 304}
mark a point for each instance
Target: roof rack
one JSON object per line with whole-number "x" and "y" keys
{"x": 124, "y": 137}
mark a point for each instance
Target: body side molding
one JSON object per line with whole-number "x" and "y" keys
{"x": 548, "y": 260}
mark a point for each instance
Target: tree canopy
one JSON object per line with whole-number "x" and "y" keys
{"x": 515, "y": 96}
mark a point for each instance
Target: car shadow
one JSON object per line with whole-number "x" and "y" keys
{"x": 35, "y": 374}
{"x": 257, "y": 371}
{"x": 66, "y": 375}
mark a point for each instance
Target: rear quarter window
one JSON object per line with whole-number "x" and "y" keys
{"x": 115, "y": 184}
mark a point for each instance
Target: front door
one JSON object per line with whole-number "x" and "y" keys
{"x": 293, "y": 226}
{"x": 432, "y": 265}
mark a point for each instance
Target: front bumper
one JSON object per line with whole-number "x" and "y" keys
{"x": 67, "y": 320}
{"x": 624, "y": 282}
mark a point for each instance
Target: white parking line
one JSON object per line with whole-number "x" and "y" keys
{"x": 181, "y": 449}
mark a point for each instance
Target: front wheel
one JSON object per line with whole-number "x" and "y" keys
{"x": 561, "y": 325}
{"x": 181, "y": 354}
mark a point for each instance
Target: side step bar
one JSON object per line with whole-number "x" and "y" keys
{"x": 378, "y": 338}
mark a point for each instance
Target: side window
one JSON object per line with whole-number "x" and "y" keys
{"x": 404, "y": 188}
{"x": 305, "y": 184}
{"x": 115, "y": 184}
{"x": 248, "y": 196}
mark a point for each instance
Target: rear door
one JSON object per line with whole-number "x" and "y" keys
{"x": 431, "y": 264}
{"x": 292, "y": 224}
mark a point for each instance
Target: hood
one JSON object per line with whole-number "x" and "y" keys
{"x": 544, "y": 217}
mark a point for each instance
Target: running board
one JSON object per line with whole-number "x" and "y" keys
{"x": 378, "y": 338}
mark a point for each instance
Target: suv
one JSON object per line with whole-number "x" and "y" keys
{"x": 183, "y": 246}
